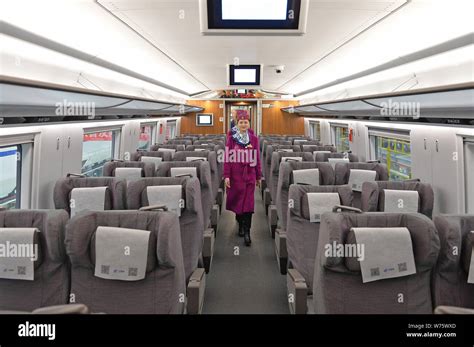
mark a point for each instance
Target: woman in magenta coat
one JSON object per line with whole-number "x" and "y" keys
{"x": 242, "y": 171}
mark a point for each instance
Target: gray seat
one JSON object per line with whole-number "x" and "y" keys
{"x": 285, "y": 179}
{"x": 266, "y": 142}
{"x": 211, "y": 157}
{"x": 177, "y": 148}
{"x": 165, "y": 156}
{"x": 217, "y": 148}
{"x": 114, "y": 194}
{"x": 343, "y": 171}
{"x": 450, "y": 286}
{"x": 191, "y": 218}
{"x": 312, "y": 148}
{"x": 267, "y": 156}
{"x": 203, "y": 173}
{"x": 276, "y": 160}
{"x": 147, "y": 169}
{"x": 301, "y": 234}
{"x": 54, "y": 309}
{"x": 50, "y": 284}
{"x": 179, "y": 142}
{"x": 302, "y": 142}
{"x": 94, "y": 268}
{"x": 320, "y": 157}
{"x": 373, "y": 195}
{"x": 338, "y": 284}
{"x": 215, "y": 141}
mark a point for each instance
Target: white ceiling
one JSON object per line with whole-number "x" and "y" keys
{"x": 161, "y": 39}
{"x": 330, "y": 24}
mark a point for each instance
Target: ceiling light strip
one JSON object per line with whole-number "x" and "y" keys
{"x": 345, "y": 43}
{"x": 27, "y": 36}
{"x": 151, "y": 43}
{"x": 444, "y": 47}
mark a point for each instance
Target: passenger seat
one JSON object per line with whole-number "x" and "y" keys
{"x": 453, "y": 278}
{"x": 149, "y": 279}
{"x": 394, "y": 274}
{"x": 27, "y": 284}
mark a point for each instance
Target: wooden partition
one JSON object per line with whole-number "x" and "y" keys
{"x": 275, "y": 121}
{"x": 188, "y": 122}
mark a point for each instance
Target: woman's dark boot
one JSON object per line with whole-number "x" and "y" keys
{"x": 240, "y": 220}
{"x": 247, "y": 224}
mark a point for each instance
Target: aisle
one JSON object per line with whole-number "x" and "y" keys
{"x": 249, "y": 282}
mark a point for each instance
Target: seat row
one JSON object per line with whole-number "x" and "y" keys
{"x": 354, "y": 262}
{"x": 109, "y": 261}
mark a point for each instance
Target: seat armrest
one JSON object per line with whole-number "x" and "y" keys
{"x": 297, "y": 292}
{"x": 195, "y": 291}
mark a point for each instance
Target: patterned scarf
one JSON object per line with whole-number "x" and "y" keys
{"x": 242, "y": 139}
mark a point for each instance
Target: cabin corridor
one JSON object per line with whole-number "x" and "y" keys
{"x": 249, "y": 282}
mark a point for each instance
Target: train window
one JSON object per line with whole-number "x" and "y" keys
{"x": 341, "y": 138}
{"x": 171, "y": 129}
{"x": 395, "y": 152}
{"x": 10, "y": 176}
{"x": 316, "y": 131}
{"x": 146, "y": 136}
{"x": 97, "y": 149}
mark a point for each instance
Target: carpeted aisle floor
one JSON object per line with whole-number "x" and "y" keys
{"x": 249, "y": 282}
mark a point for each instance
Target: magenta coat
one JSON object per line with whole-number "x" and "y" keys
{"x": 242, "y": 166}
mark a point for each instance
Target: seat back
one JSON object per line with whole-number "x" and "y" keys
{"x": 338, "y": 285}
{"x": 343, "y": 176}
{"x": 267, "y": 155}
{"x": 179, "y": 142}
{"x": 50, "y": 284}
{"x": 156, "y": 147}
{"x": 191, "y": 220}
{"x": 266, "y": 142}
{"x": 114, "y": 198}
{"x": 155, "y": 252}
{"x": 165, "y": 156}
{"x": 209, "y": 156}
{"x": 285, "y": 179}
{"x": 203, "y": 173}
{"x": 319, "y": 157}
{"x": 275, "y": 168}
{"x": 373, "y": 196}
{"x": 109, "y": 169}
{"x": 450, "y": 278}
{"x": 313, "y": 148}
{"x": 302, "y": 234}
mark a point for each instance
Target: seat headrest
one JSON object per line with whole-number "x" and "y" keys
{"x": 298, "y": 200}
{"x": 163, "y": 228}
{"x": 191, "y": 191}
{"x": 21, "y": 252}
{"x": 50, "y": 223}
{"x": 343, "y": 170}
{"x": 109, "y": 259}
{"x": 202, "y": 169}
{"x": 326, "y": 173}
{"x": 114, "y": 195}
{"x": 166, "y": 156}
{"x": 110, "y": 167}
{"x": 277, "y": 158}
{"x": 336, "y": 227}
{"x": 373, "y": 198}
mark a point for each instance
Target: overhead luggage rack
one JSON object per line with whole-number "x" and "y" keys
{"x": 20, "y": 99}
{"x": 443, "y": 104}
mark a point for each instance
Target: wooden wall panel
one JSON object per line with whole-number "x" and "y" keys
{"x": 188, "y": 122}
{"x": 275, "y": 121}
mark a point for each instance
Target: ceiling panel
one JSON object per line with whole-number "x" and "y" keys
{"x": 173, "y": 27}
